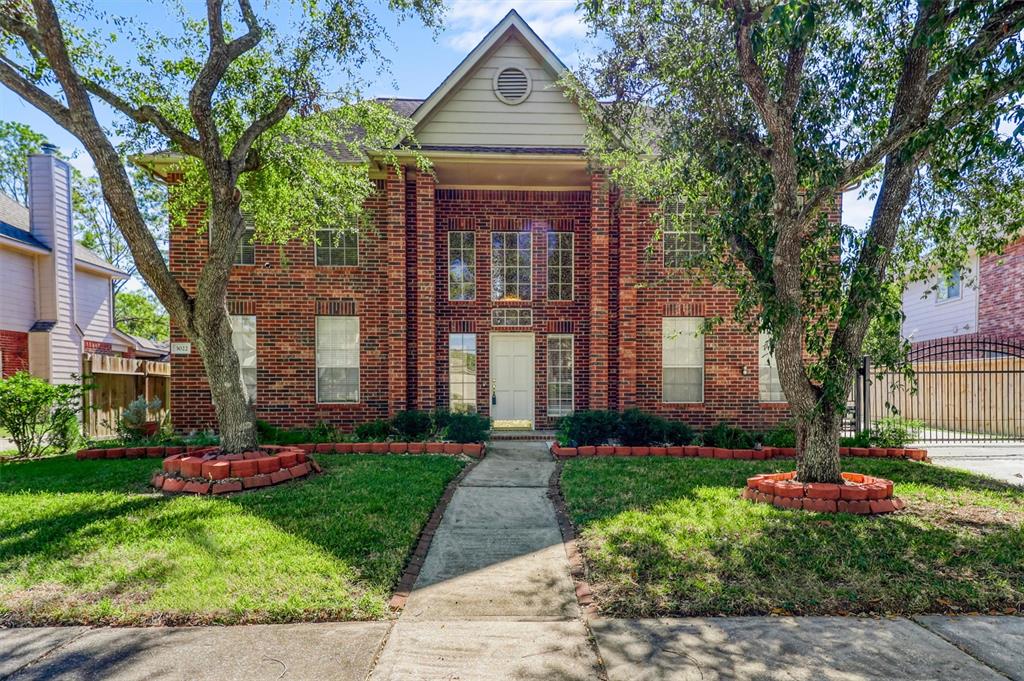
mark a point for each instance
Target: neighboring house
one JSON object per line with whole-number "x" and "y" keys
{"x": 516, "y": 282}
{"x": 57, "y": 296}
{"x": 985, "y": 297}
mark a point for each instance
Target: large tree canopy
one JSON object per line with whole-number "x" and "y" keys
{"x": 260, "y": 118}
{"x": 757, "y": 114}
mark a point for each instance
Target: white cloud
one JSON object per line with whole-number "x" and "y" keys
{"x": 555, "y": 21}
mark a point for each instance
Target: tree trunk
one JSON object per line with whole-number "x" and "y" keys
{"x": 818, "y": 447}
{"x": 235, "y": 417}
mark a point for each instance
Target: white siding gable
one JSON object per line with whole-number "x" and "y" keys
{"x": 93, "y": 305}
{"x": 928, "y": 318}
{"x": 472, "y": 115}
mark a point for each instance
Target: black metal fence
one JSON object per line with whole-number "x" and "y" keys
{"x": 966, "y": 389}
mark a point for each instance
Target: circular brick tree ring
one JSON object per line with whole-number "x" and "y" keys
{"x": 862, "y": 494}
{"x": 210, "y": 471}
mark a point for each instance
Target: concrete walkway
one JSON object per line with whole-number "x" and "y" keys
{"x": 494, "y": 600}
{"x": 1001, "y": 460}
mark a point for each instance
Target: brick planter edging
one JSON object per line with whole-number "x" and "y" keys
{"x": 862, "y": 494}
{"x": 474, "y": 449}
{"x": 720, "y": 453}
{"x": 577, "y": 569}
{"x": 415, "y": 561}
{"x": 208, "y": 471}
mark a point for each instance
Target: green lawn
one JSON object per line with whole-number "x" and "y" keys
{"x": 672, "y": 537}
{"x": 87, "y": 541}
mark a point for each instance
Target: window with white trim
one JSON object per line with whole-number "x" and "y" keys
{"x": 243, "y": 339}
{"x": 681, "y": 240}
{"x": 682, "y": 359}
{"x": 511, "y": 266}
{"x": 247, "y": 249}
{"x": 462, "y": 372}
{"x": 511, "y": 316}
{"x": 560, "y": 367}
{"x": 950, "y": 287}
{"x": 560, "y": 265}
{"x": 769, "y": 386}
{"x": 338, "y": 247}
{"x": 461, "y": 266}
{"x": 337, "y": 359}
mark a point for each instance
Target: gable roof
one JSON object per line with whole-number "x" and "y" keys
{"x": 11, "y": 232}
{"x": 511, "y": 22}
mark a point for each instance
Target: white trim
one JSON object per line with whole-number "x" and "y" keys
{"x": 359, "y": 359}
{"x": 572, "y": 372}
{"x": 14, "y": 244}
{"x": 572, "y": 268}
{"x": 448, "y": 267}
{"x": 490, "y": 281}
{"x": 702, "y": 366}
{"x": 519, "y": 187}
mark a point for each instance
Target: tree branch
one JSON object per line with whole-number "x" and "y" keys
{"x": 11, "y": 77}
{"x": 240, "y": 154}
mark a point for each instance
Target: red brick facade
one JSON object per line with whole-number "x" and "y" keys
{"x": 13, "y": 352}
{"x": 1001, "y": 293}
{"x": 399, "y": 291}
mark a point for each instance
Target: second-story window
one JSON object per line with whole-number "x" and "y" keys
{"x": 949, "y": 287}
{"x": 461, "y": 266}
{"x": 511, "y": 266}
{"x": 560, "y": 245}
{"x": 682, "y": 241}
{"x": 337, "y": 247}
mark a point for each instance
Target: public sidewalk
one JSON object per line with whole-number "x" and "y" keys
{"x": 494, "y": 600}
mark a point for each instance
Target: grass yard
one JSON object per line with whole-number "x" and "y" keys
{"x": 89, "y": 542}
{"x": 672, "y": 537}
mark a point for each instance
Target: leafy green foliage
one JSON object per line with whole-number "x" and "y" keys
{"x": 588, "y": 427}
{"x": 131, "y": 423}
{"x": 782, "y": 435}
{"x": 36, "y": 414}
{"x": 108, "y": 551}
{"x": 638, "y": 428}
{"x": 678, "y": 433}
{"x": 894, "y": 431}
{"x": 142, "y": 315}
{"x": 467, "y": 427}
{"x": 17, "y": 142}
{"x": 412, "y": 425}
{"x": 377, "y": 430}
{"x": 727, "y": 436}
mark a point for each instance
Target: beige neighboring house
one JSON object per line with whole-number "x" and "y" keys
{"x": 56, "y": 296}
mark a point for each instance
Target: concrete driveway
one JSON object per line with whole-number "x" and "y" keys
{"x": 1001, "y": 460}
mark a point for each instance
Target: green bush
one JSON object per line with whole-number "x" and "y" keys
{"x": 894, "y": 431}
{"x": 727, "y": 436}
{"x": 861, "y": 439}
{"x": 321, "y": 432}
{"x": 467, "y": 427}
{"x": 588, "y": 427}
{"x": 678, "y": 433}
{"x": 373, "y": 431}
{"x": 439, "y": 422}
{"x": 782, "y": 435}
{"x": 412, "y": 425}
{"x": 638, "y": 428}
{"x": 37, "y": 414}
{"x": 132, "y": 420}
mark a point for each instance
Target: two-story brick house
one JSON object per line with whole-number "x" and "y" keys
{"x": 515, "y": 281}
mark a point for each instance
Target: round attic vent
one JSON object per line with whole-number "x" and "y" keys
{"x": 512, "y": 85}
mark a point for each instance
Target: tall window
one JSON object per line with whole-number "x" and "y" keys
{"x": 949, "y": 287}
{"x": 337, "y": 359}
{"x": 461, "y": 266}
{"x": 338, "y": 247}
{"x": 682, "y": 359}
{"x": 682, "y": 241}
{"x": 560, "y": 247}
{"x": 462, "y": 371}
{"x": 511, "y": 276}
{"x": 243, "y": 338}
{"x": 246, "y": 254}
{"x": 560, "y": 364}
{"x": 768, "y": 372}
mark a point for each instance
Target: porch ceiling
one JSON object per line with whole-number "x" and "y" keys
{"x": 537, "y": 173}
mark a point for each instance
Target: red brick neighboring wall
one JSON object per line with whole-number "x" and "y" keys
{"x": 1001, "y": 293}
{"x": 14, "y": 347}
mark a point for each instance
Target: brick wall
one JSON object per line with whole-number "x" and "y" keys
{"x": 400, "y": 293}
{"x": 14, "y": 348}
{"x": 1001, "y": 294}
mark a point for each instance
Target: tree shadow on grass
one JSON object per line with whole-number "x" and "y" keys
{"x": 673, "y": 538}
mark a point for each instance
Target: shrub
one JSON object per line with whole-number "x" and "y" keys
{"x": 467, "y": 427}
{"x": 373, "y": 431}
{"x": 894, "y": 431}
{"x": 588, "y": 427}
{"x": 439, "y": 422}
{"x": 638, "y": 428}
{"x": 861, "y": 439}
{"x": 131, "y": 425}
{"x": 728, "y": 437}
{"x": 678, "y": 433}
{"x": 412, "y": 425}
{"x": 36, "y": 413}
{"x": 782, "y": 435}
{"x": 272, "y": 435}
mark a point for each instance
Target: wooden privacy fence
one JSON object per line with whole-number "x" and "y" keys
{"x": 965, "y": 389}
{"x": 116, "y": 382}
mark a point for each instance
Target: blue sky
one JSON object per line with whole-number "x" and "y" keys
{"x": 419, "y": 59}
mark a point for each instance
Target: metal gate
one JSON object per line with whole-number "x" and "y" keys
{"x": 968, "y": 389}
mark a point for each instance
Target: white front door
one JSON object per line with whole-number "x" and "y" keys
{"x": 512, "y": 378}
